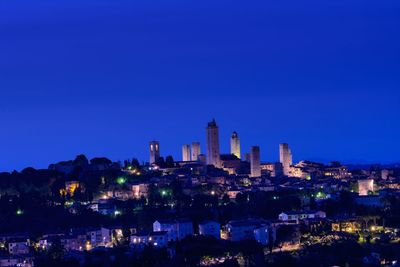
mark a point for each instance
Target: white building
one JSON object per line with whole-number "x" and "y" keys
{"x": 154, "y": 151}
{"x": 235, "y": 145}
{"x": 210, "y": 228}
{"x": 195, "y": 151}
{"x": 186, "y": 153}
{"x": 213, "y": 153}
{"x": 157, "y": 239}
{"x": 285, "y": 157}
{"x": 301, "y": 215}
{"x": 18, "y": 247}
{"x": 255, "y": 168}
{"x": 176, "y": 229}
{"x": 254, "y": 229}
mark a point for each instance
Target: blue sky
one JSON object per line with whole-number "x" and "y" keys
{"x": 103, "y": 78}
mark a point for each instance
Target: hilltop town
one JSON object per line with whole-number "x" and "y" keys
{"x": 205, "y": 209}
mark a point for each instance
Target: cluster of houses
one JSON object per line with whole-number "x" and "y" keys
{"x": 19, "y": 247}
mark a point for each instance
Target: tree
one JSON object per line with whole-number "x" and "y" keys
{"x": 135, "y": 163}
{"x": 225, "y": 200}
{"x": 169, "y": 162}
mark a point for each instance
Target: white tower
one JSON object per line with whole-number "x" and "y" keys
{"x": 154, "y": 151}
{"x": 195, "y": 150}
{"x": 186, "y": 153}
{"x": 235, "y": 144}
{"x": 213, "y": 156}
{"x": 285, "y": 157}
{"x": 255, "y": 168}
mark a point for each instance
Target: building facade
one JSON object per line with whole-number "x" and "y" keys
{"x": 195, "y": 151}
{"x": 210, "y": 228}
{"x": 285, "y": 157}
{"x": 154, "y": 151}
{"x": 213, "y": 154}
{"x": 255, "y": 168}
{"x": 235, "y": 145}
{"x": 186, "y": 153}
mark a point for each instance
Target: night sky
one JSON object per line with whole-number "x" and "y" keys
{"x": 103, "y": 78}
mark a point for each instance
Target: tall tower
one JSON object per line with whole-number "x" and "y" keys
{"x": 285, "y": 157}
{"x": 186, "y": 153}
{"x": 213, "y": 157}
{"x": 154, "y": 151}
{"x": 255, "y": 168}
{"x": 195, "y": 150}
{"x": 235, "y": 144}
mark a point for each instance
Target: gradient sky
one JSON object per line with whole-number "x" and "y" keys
{"x": 103, "y": 78}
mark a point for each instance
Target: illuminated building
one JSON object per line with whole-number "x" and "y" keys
{"x": 274, "y": 169}
{"x": 365, "y": 187}
{"x": 230, "y": 163}
{"x": 195, "y": 150}
{"x": 300, "y": 215}
{"x": 285, "y": 157}
{"x": 71, "y": 187}
{"x": 154, "y": 151}
{"x": 156, "y": 239}
{"x": 235, "y": 145}
{"x": 186, "y": 153}
{"x": 255, "y": 168}
{"x": 140, "y": 190}
{"x": 176, "y": 229}
{"x": 213, "y": 144}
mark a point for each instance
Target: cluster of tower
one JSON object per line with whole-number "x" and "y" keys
{"x": 213, "y": 154}
{"x": 192, "y": 152}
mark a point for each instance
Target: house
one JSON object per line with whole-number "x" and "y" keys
{"x": 210, "y": 228}
{"x": 157, "y": 239}
{"x": 261, "y": 235}
{"x": 140, "y": 190}
{"x": 18, "y": 246}
{"x": 99, "y": 237}
{"x": 176, "y": 229}
{"x": 75, "y": 242}
{"x": 45, "y": 243}
{"x": 300, "y": 215}
{"x": 17, "y": 260}
{"x": 253, "y": 229}
{"x": 105, "y": 207}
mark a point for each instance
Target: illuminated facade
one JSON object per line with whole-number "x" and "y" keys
{"x": 255, "y": 168}
{"x": 365, "y": 187}
{"x": 154, "y": 151}
{"x": 274, "y": 169}
{"x": 235, "y": 145}
{"x": 186, "y": 153}
{"x": 285, "y": 157}
{"x": 195, "y": 150}
{"x": 213, "y": 155}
